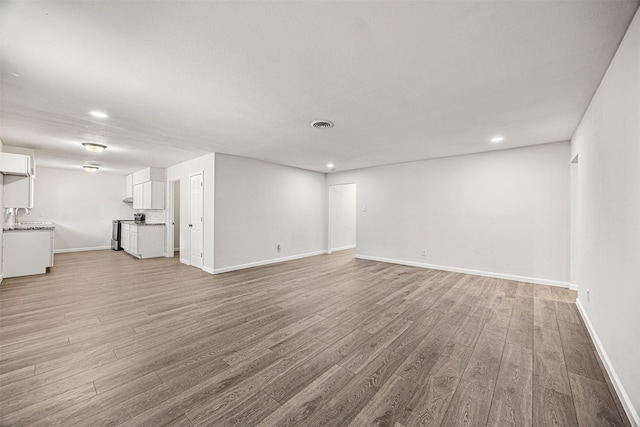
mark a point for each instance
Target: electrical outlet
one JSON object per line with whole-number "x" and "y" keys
{"x": 424, "y": 252}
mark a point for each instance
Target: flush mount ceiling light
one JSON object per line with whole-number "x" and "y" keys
{"x": 99, "y": 114}
{"x": 91, "y": 168}
{"x": 322, "y": 124}
{"x": 94, "y": 148}
{"x": 330, "y": 165}
{"x": 497, "y": 139}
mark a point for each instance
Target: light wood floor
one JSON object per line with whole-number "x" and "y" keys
{"x": 104, "y": 339}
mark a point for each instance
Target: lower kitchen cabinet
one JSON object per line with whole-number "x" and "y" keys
{"x": 143, "y": 241}
{"x": 27, "y": 252}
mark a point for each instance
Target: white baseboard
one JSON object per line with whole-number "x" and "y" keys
{"x": 468, "y": 271}
{"x": 343, "y": 248}
{"x": 208, "y": 270}
{"x": 573, "y": 286}
{"x": 266, "y": 262}
{"x": 632, "y": 414}
{"x": 185, "y": 261}
{"x": 97, "y": 248}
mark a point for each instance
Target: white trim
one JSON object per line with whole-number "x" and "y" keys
{"x": 469, "y": 271}
{"x": 573, "y": 286}
{"x": 343, "y": 248}
{"x": 185, "y": 261}
{"x": 615, "y": 380}
{"x": 97, "y": 248}
{"x": 208, "y": 270}
{"x": 266, "y": 262}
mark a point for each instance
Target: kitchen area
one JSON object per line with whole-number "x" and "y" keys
{"x": 144, "y": 236}
{"x": 30, "y": 230}
{"x": 28, "y": 246}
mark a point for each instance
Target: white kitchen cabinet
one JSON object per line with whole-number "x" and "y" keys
{"x": 128, "y": 186}
{"x": 27, "y": 252}
{"x": 148, "y": 195}
{"x": 15, "y": 164}
{"x": 124, "y": 236}
{"x": 148, "y": 174}
{"x": 138, "y": 196}
{"x": 18, "y": 191}
{"x": 143, "y": 241}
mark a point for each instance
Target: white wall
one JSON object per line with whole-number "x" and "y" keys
{"x": 260, "y": 205}
{"x": 342, "y": 213}
{"x": 607, "y": 142}
{"x": 81, "y": 204}
{"x": 182, "y": 171}
{"x": 502, "y": 213}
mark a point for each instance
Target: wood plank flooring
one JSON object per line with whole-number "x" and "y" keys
{"x": 105, "y": 339}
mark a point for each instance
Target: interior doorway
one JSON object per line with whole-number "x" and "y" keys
{"x": 175, "y": 221}
{"x": 342, "y": 217}
{"x": 173, "y": 207}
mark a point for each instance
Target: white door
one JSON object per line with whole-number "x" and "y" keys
{"x": 195, "y": 220}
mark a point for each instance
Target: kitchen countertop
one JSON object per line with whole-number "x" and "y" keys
{"x": 29, "y": 226}
{"x": 142, "y": 223}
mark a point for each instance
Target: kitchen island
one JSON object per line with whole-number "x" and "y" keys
{"x": 27, "y": 248}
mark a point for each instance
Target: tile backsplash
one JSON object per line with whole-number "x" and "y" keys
{"x": 155, "y": 216}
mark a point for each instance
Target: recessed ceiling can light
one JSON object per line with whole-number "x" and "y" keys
{"x": 91, "y": 168}
{"x": 322, "y": 124}
{"x": 497, "y": 139}
{"x": 99, "y": 114}
{"x": 15, "y": 74}
{"x": 94, "y": 148}
{"x": 330, "y": 165}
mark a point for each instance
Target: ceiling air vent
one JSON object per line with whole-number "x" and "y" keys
{"x": 322, "y": 124}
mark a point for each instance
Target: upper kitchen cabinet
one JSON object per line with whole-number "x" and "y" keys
{"x": 18, "y": 183}
{"x": 15, "y": 164}
{"x": 148, "y": 195}
{"x": 128, "y": 186}
{"x": 148, "y": 188}
{"x": 148, "y": 174}
{"x": 18, "y": 191}
{"x": 13, "y": 159}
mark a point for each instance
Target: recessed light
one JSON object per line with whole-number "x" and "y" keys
{"x": 497, "y": 139}
{"x": 91, "y": 168}
{"x": 330, "y": 165}
{"x": 321, "y": 124}
{"x": 94, "y": 148}
{"x": 15, "y": 74}
{"x": 99, "y": 114}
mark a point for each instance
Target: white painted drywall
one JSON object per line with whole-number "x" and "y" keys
{"x": 181, "y": 171}
{"x": 342, "y": 211}
{"x": 260, "y": 205}
{"x": 500, "y": 213}
{"x": 81, "y": 204}
{"x": 607, "y": 142}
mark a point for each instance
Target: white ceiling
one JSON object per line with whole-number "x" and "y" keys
{"x": 401, "y": 80}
